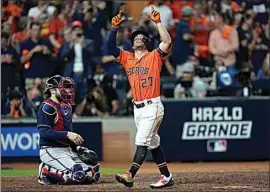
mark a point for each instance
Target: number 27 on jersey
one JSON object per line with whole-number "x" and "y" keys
{"x": 147, "y": 82}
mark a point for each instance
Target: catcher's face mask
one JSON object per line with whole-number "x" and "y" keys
{"x": 67, "y": 90}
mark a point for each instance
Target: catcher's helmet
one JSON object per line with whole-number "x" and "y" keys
{"x": 52, "y": 82}
{"x": 146, "y": 39}
{"x": 65, "y": 86}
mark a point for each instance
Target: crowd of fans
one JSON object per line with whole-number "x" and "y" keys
{"x": 217, "y": 44}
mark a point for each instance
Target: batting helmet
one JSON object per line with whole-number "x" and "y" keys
{"x": 146, "y": 39}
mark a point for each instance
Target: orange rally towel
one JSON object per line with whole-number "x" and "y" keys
{"x": 226, "y": 32}
{"x": 27, "y": 64}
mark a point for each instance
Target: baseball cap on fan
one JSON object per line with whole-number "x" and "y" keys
{"x": 187, "y": 11}
{"x": 188, "y": 67}
{"x": 76, "y": 24}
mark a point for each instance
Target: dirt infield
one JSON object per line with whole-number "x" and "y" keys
{"x": 248, "y": 176}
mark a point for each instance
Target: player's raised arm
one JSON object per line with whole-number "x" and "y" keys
{"x": 165, "y": 45}
{"x": 111, "y": 41}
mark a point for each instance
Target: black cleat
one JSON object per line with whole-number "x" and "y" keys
{"x": 44, "y": 181}
{"x": 125, "y": 179}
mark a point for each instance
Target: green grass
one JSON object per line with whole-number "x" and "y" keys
{"x": 35, "y": 172}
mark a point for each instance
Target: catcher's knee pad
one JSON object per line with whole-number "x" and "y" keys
{"x": 53, "y": 176}
{"x": 78, "y": 174}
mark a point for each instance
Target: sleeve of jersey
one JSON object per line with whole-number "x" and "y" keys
{"x": 45, "y": 119}
{"x": 122, "y": 58}
{"x": 111, "y": 44}
{"x": 161, "y": 53}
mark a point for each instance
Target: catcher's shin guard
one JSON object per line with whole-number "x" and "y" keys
{"x": 49, "y": 175}
{"x": 92, "y": 175}
{"x": 95, "y": 172}
{"x": 78, "y": 174}
{"x": 42, "y": 179}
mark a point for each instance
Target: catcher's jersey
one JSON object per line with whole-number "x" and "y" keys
{"x": 53, "y": 122}
{"x": 143, "y": 74}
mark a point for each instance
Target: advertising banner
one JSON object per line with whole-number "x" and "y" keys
{"x": 216, "y": 130}
{"x": 22, "y": 140}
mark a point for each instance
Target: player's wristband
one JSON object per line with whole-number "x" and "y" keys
{"x": 115, "y": 28}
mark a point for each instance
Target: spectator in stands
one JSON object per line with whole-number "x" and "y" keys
{"x": 201, "y": 26}
{"x": 244, "y": 35}
{"x": 41, "y": 12}
{"x": 238, "y": 11}
{"x": 10, "y": 61}
{"x": 123, "y": 7}
{"x": 78, "y": 54}
{"x": 260, "y": 9}
{"x": 6, "y": 27}
{"x": 67, "y": 34}
{"x": 110, "y": 94}
{"x": 22, "y": 35}
{"x": 81, "y": 10}
{"x": 182, "y": 46}
{"x": 26, "y": 6}
{"x": 223, "y": 82}
{"x": 57, "y": 25}
{"x": 93, "y": 25}
{"x": 34, "y": 95}
{"x": 265, "y": 71}
{"x": 14, "y": 13}
{"x": 225, "y": 5}
{"x": 16, "y": 107}
{"x": 190, "y": 85}
{"x": 167, "y": 67}
{"x": 166, "y": 16}
{"x": 258, "y": 47}
{"x": 224, "y": 42}
{"x": 93, "y": 104}
{"x": 36, "y": 56}
{"x": 176, "y": 7}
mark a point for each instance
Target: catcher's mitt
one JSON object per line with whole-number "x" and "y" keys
{"x": 87, "y": 156}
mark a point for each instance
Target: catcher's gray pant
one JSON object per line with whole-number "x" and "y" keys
{"x": 61, "y": 158}
{"x": 61, "y": 162}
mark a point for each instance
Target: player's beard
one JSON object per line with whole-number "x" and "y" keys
{"x": 57, "y": 95}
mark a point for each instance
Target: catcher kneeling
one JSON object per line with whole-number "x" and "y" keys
{"x": 82, "y": 168}
{"x": 63, "y": 160}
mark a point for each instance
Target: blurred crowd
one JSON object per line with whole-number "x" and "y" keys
{"x": 219, "y": 48}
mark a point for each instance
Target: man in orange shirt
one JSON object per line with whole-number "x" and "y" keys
{"x": 143, "y": 71}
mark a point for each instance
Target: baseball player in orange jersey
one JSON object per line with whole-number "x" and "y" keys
{"x": 143, "y": 71}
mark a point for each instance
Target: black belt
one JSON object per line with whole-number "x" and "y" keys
{"x": 46, "y": 147}
{"x": 141, "y": 105}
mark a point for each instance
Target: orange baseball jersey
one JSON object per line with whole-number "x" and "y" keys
{"x": 143, "y": 74}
